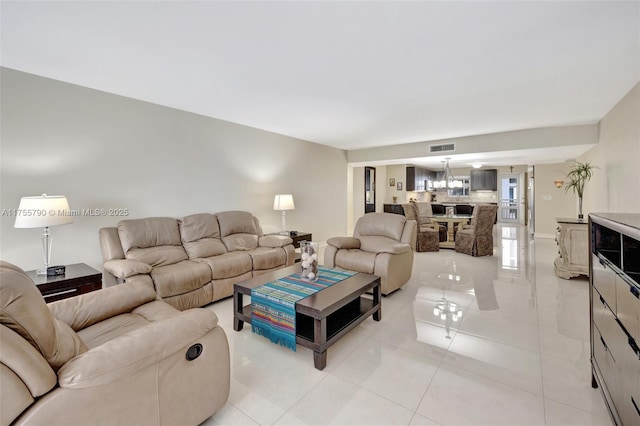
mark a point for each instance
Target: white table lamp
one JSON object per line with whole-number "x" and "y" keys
{"x": 43, "y": 211}
{"x": 283, "y": 202}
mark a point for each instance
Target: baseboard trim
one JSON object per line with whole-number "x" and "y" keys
{"x": 549, "y": 236}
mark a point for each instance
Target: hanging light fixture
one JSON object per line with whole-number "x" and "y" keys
{"x": 448, "y": 180}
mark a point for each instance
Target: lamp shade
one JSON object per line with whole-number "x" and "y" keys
{"x": 283, "y": 202}
{"x": 43, "y": 210}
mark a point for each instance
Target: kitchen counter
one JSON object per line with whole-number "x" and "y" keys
{"x": 394, "y": 208}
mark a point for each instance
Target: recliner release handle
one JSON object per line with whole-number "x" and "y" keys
{"x": 194, "y": 352}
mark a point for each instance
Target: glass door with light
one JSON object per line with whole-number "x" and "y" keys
{"x": 511, "y": 198}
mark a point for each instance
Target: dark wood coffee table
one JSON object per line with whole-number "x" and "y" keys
{"x": 324, "y": 317}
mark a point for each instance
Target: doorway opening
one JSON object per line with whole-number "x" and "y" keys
{"x": 369, "y": 189}
{"x": 510, "y": 195}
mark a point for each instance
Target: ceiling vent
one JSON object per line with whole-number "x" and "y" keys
{"x": 445, "y": 147}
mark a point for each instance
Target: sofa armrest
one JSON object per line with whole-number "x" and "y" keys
{"x": 344, "y": 242}
{"x": 110, "y": 244}
{"x": 87, "y": 309}
{"x": 123, "y": 268}
{"x": 396, "y": 248}
{"x": 131, "y": 352}
{"x": 274, "y": 241}
{"x": 409, "y": 233}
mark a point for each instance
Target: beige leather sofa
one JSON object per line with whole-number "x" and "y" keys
{"x": 382, "y": 244}
{"x": 116, "y": 356}
{"x": 195, "y": 260}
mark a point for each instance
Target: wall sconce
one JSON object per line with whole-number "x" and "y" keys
{"x": 558, "y": 183}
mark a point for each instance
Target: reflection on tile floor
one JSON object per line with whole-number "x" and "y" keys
{"x": 507, "y": 345}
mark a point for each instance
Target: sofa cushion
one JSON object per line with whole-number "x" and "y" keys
{"x": 380, "y": 224}
{"x": 108, "y": 329}
{"x": 179, "y": 278}
{"x": 228, "y": 265}
{"x": 200, "y": 234}
{"x": 274, "y": 241}
{"x": 158, "y": 256}
{"x": 267, "y": 258}
{"x": 241, "y": 242}
{"x": 383, "y": 245}
{"x": 148, "y": 232}
{"x": 155, "y": 240}
{"x": 356, "y": 260}
{"x": 236, "y": 222}
{"x": 23, "y": 310}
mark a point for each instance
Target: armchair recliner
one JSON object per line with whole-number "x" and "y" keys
{"x": 113, "y": 356}
{"x": 382, "y": 245}
{"x": 476, "y": 239}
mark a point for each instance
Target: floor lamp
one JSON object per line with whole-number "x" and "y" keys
{"x": 43, "y": 211}
{"x": 283, "y": 202}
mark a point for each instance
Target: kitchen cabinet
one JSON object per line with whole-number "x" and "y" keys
{"x": 419, "y": 178}
{"x": 614, "y": 265}
{"x": 484, "y": 180}
{"x": 394, "y": 208}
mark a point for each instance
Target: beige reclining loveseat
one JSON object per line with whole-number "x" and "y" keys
{"x": 194, "y": 260}
{"x": 116, "y": 356}
{"x": 382, "y": 245}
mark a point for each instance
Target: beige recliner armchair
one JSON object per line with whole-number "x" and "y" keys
{"x": 113, "y": 356}
{"x": 382, "y": 245}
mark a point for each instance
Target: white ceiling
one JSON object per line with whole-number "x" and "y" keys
{"x": 346, "y": 74}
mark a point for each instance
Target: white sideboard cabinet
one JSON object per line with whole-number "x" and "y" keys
{"x": 572, "y": 237}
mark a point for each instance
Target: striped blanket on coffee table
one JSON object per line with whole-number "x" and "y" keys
{"x": 273, "y": 305}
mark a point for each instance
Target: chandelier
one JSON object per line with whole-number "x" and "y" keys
{"x": 449, "y": 312}
{"x": 444, "y": 309}
{"x": 448, "y": 179}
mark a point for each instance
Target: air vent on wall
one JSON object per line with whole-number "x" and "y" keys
{"x": 445, "y": 147}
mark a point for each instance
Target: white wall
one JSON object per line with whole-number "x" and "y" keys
{"x": 357, "y": 198}
{"x": 614, "y": 186}
{"x": 551, "y": 202}
{"x": 108, "y": 151}
{"x": 399, "y": 174}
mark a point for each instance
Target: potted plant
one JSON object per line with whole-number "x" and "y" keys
{"x": 579, "y": 174}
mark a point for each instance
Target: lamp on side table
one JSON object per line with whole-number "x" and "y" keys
{"x": 43, "y": 211}
{"x": 283, "y": 202}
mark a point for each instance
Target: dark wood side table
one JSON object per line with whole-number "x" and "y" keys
{"x": 300, "y": 236}
{"x": 78, "y": 279}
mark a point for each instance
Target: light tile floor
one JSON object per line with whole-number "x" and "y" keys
{"x": 518, "y": 354}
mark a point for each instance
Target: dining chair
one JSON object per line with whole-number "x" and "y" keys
{"x": 427, "y": 236}
{"x": 476, "y": 239}
{"x": 425, "y": 216}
